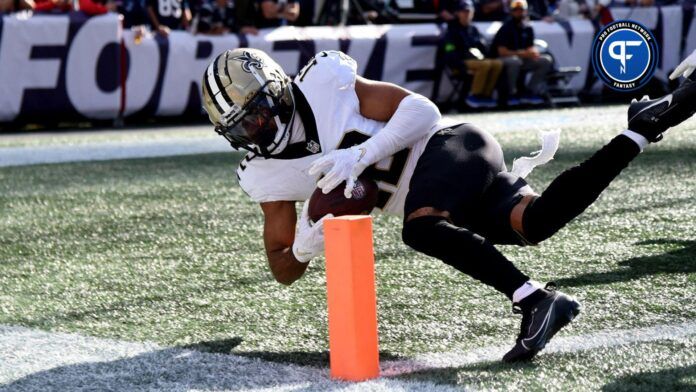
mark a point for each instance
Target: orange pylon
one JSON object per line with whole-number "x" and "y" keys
{"x": 350, "y": 285}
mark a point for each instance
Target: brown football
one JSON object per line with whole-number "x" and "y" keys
{"x": 363, "y": 201}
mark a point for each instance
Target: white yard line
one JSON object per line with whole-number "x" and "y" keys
{"x": 32, "y": 155}
{"x": 37, "y": 360}
{"x": 560, "y": 344}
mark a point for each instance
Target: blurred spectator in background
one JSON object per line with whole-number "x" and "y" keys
{"x": 167, "y": 15}
{"x": 569, "y": 9}
{"x": 464, "y": 49}
{"x": 276, "y": 13}
{"x": 134, "y": 13}
{"x": 97, "y": 7}
{"x": 10, "y": 6}
{"x": 514, "y": 43}
{"x": 359, "y": 12}
{"x": 306, "y": 17}
{"x": 635, "y": 3}
{"x": 52, "y": 5}
{"x": 374, "y": 11}
{"x": 539, "y": 10}
{"x": 601, "y": 14}
{"x": 195, "y": 6}
{"x": 446, "y": 10}
{"x": 421, "y": 6}
{"x": 490, "y": 10}
{"x": 217, "y": 17}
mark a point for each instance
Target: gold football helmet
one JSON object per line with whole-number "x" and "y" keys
{"x": 249, "y": 100}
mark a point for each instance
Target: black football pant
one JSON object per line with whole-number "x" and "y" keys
{"x": 462, "y": 171}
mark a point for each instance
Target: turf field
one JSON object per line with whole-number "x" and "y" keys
{"x": 132, "y": 265}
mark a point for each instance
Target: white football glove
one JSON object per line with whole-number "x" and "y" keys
{"x": 309, "y": 239}
{"x": 686, "y": 68}
{"x": 338, "y": 166}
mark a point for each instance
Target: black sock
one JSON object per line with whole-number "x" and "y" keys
{"x": 466, "y": 251}
{"x": 576, "y": 189}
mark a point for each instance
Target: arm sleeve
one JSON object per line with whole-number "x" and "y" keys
{"x": 412, "y": 120}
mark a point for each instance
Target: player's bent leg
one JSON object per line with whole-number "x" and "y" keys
{"x": 457, "y": 189}
{"x": 573, "y": 190}
{"x": 577, "y": 188}
{"x": 544, "y": 310}
{"x": 464, "y": 250}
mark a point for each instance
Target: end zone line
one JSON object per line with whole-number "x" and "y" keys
{"x": 31, "y": 358}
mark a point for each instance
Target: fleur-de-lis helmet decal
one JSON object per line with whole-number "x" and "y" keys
{"x": 248, "y": 60}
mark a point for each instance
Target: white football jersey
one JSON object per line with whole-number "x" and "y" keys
{"x": 328, "y": 84}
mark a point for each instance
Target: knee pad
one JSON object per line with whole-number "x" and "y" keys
{"x": 420, "y": 233}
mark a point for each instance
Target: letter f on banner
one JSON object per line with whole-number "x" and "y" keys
{"x": 19, "y": 71}
{"x": 622, "y": 56}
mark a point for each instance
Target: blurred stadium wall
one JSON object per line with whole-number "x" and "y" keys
{"x": 70, "y": 67}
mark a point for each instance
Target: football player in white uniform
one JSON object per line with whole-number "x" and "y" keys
{"x": 449, "y": 181}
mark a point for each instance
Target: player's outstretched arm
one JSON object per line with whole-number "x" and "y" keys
{"x": 408, "y": 118}
{"x": 278, "y": 236}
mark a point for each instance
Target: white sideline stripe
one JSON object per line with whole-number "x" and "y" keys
{"x": 32, "y": 155}
{"x": 560, "y": 344}
{"x": 32, "y": 359}
{"x": 496, "y": 123}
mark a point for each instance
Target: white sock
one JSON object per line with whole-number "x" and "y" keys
{"x": 640, "y": 140}
{"x": 527, "y": 288}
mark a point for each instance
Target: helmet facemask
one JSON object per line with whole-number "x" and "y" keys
{"x": 262, "y": 125}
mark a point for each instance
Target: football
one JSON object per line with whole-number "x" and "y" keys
{"x": 363, "y": 201}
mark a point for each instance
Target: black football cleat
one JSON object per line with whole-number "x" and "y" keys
{"x": 541, "y": 321}
{"x": 651, "y": 117}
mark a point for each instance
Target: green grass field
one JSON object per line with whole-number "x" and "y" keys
{"x": 169, "y": 250}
